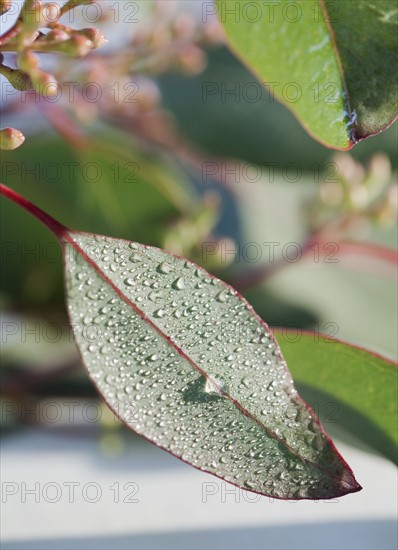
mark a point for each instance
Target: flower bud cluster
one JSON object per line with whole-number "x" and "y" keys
{"x": 38, "y": 30}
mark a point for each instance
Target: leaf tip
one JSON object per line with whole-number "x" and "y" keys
{"x": 348, "y": 484}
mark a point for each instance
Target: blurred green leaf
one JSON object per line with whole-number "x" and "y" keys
{"x": 329, "y": 62}
{"x": 356, "y": 388}
{"x": 113, "y": 187}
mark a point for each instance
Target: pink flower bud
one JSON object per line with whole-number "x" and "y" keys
{"x": 11, "y": 139}
{"x": 44, "y": 83}
{"x": 96, "y": 36}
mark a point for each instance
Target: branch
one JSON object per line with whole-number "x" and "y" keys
{"x": 345, "y": 250}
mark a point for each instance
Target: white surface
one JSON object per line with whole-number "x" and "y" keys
{"x": 171, "y": 511}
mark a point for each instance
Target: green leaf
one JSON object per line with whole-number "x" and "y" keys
{"x": 361, "y": 384}
{"x": 183, "y": 360}
{"x": 329, "y": 61}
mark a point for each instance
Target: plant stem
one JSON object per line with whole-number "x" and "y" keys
{"x": 53, "y": 225}
{"x": 9, "y": 35}
{"x": 344, "y": 249}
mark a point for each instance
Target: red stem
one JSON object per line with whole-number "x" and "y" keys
{"x": 57, "y": 228}
{"x": 375, "y": 250}
{"x": 346, "y": 249}
{"x": 255, "y": 277}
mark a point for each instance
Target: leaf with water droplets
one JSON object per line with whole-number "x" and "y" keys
{"x": 194, "y": 370}
{"x": 185, "y": 361}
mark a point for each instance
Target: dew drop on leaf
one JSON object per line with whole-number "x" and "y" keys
{"x": 179, "y": 284}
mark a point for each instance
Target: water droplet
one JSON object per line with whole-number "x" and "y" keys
{"x": 222, "y": 296}
{"x": 250, "y": 484}
{"x": 135, "y": 258}
{"x": 214, "y": 386}
{"x": 179, "y": 283}
{"x": 155, "y": 297}
{"x": 92, "y": 295}
{"x": 159, "y": 313}
{"x": 165, "y": 268}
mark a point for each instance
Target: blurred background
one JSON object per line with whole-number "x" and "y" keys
{"x": 163, "y": 137}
